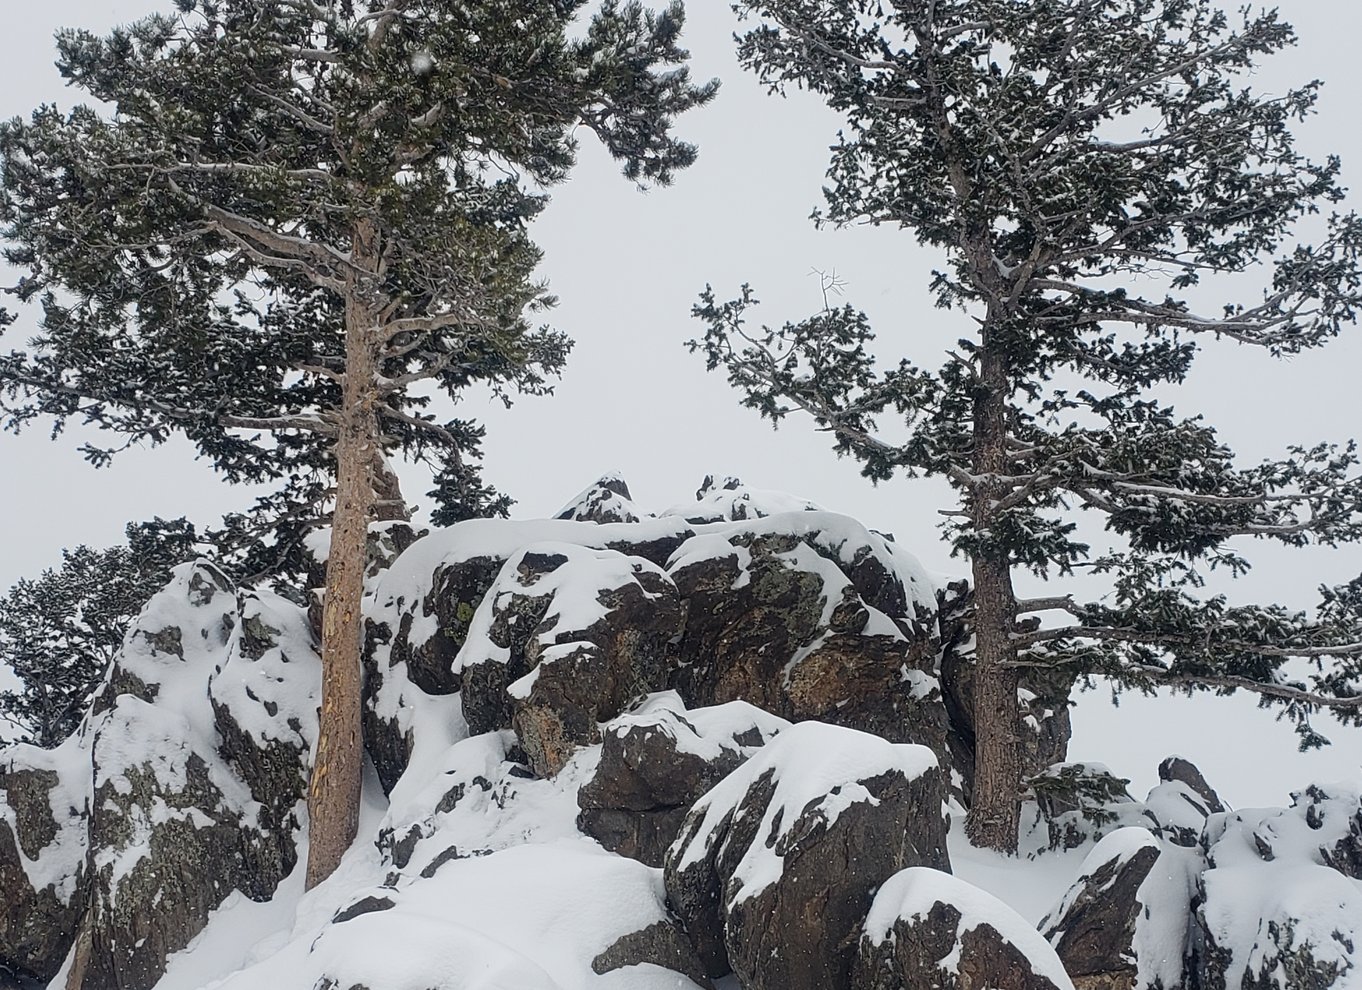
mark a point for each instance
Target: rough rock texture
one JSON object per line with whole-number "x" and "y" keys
{"x": 606, "y": 501}
{"x": 1175, "y": 768}
{"x": 1093, "y": 929}
{"x": 775, "y": 868}
{"x": 928, "y": 929}
{"x": 662, "y": 944}
{"x": 44, "y": 797}
{"x": 808, "y": 615}
{"x": 204, "y": 679}
{"x": 421, "y": 610}
{"x": 656, "y": 763}
{"x": 564, "y": 640}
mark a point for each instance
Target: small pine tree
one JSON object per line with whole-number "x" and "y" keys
{"x": 1084, "y": 167}
{"x": 299, "y": 219}
{"x": 60, "y": 631}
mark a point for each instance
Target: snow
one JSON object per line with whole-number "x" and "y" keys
{"x": 1029, "y": 885}
{"x": 1248, "y": 894}
{"x": 729, "y": 499}
{"x": 528, "y": 904}
{"x": 69, "y": 800}
{"x": 809, "y": 764}
{"x": 602, "y": 497}
{"x": 913, "y": 892}
{"x": 1119, "y": 848}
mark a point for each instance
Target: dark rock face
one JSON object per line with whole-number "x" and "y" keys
{"x": 457, "y": 588}
{"x": 775, "y": 868}
{"x": 662, "y": 944}
{"x": 566, "y": 638}
{"x": 1175, "y": 768}
{"x": 1093, "y": 931}
{"x": 42, "y": 859}
{"x": 944, "y": 942}
{"x": 656, "y": 763}
{"x": 804, "y": 616}
{"x": 200, "y": 758}
{"x": 606, "y": 501}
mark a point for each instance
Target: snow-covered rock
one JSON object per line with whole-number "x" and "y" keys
{"x": 776, "y": 866}
{"x": 659, "y": 760}
{"x": 184, "y": 786}
{"x": 809, "y": 615}
{"x": 420, "y": 611}
{"x": 565, "y": 638}
{"x": 44, "y": 801}
{"x": 175, "y": 824}
{"x": 727, "y": 499}
{"x": 607, "y": 500}
{"x": 1093, "y": 927}
{"x": 927, "y": 928}
{"x": 1276, "y": 912}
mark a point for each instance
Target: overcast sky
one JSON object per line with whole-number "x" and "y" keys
{"x": 628, "y": 266}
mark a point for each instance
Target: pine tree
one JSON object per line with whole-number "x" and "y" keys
{"x": 301, "y": 216}
{"x": 1092, "y": 171}
{"x": 60, "y": 631}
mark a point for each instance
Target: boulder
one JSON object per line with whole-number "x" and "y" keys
{"x": 930, "y": 929}
{"x": 809, "y": 615}
{"x": 44, "y": 798}
{"x": 565, "y": 639}
{"x": 197, "y": 787}
{"x": 1178, "y": 807}
{"x": 656, "y": 762}
{"x": 1177, "y": 769}
{"x": 605, "y": 501}
{"x": 776, "y": 866}
{"x": 662, "y": 944}
{"x": 422, "y": 607}
{"x": 1092, "y": 929}
{"x": 1274, "y": 911}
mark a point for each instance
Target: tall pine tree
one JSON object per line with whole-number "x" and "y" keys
{"x": 301, "y": 217}
{"x": 1088, "y": 168}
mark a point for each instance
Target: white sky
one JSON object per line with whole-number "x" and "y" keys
{"x": 628, "y": 267}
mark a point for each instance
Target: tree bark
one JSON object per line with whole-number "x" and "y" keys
{"x": 334, "y": 791}
{"x": 994, "y": 813}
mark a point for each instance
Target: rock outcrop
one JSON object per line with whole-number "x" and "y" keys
{"x": 606, "y": 501}
{"x": 810, "y": 616}
{"x": 566, "y": 637}
{"x": 776, "y": 866}
{"x": 184, "y": 785}
{"x": 657, "y": 762}
{"x": 1093, "y": 928}
{"x": 929, "y": 929}
{"x": 44, "y": 802}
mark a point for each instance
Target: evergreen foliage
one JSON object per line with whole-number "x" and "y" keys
{"x": 302, "y": 218}
{"x": 189, "y": 252}
{"x": 1090, "y": 169}
{"x": 60, "y": 631}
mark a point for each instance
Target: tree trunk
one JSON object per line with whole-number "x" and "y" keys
{"x": 334, "y": 792}
{"x": 994, "y": 813}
